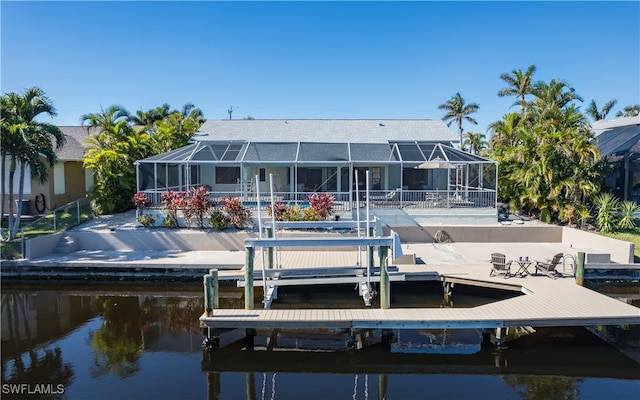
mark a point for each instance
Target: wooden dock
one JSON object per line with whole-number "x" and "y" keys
{"x": 546, "y": 302}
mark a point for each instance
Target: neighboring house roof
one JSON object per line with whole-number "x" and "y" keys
{"x": 74, "y": 148}
{"x": 325, "y": 130}
{"x": 618, "y": 136}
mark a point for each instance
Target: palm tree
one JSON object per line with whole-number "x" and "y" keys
{"x": 629, "y": 111}
{"x": 519, "y": 85}
{"x": 552, "y": 100}
{"x": 111, "y": 155}
{"x": 458, "y": 111}
{"x": 105, "y": 119}
{"x": 555, "y": 94}
{"x": 148, "y": 118}
{"x": 474, "y": 142}
{"x": 598, "y": 115}
{"x": 191, "y": 112}
{"x": 26, "y": 143}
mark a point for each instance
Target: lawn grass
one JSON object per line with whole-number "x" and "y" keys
{"x": 61, "y": 220}
{"x": 628, "y": 235}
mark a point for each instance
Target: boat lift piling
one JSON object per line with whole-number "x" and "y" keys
{"x": 211, "y": 302}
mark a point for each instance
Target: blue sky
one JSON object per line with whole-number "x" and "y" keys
{"x": 315, "y": 59}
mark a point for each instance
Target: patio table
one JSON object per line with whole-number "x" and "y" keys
{"x": 523, "y": 264}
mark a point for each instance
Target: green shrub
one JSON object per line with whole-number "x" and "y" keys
{"x": 218, "y": 220}
{"x": 146, "y": 220}
{"x": 607, "y": 208}
{"x": 628, "y": 209}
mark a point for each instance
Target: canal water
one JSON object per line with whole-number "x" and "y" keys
{"x": 127, "y": 341}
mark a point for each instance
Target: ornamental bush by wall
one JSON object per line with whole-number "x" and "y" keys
{"x": 320, "y": 208}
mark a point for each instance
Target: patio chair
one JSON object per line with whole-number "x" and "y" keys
{"x": 500, "y": 265}
{"x": 391, "y": 196}
{"x": 549, "y": 268}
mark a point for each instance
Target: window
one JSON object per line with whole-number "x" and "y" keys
{"x": 263, "y": 175}
{"x": 58, "y": 178}
{"x": 227, "y": 175}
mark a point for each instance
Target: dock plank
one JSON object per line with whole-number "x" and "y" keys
{"x": 545, "y": 302}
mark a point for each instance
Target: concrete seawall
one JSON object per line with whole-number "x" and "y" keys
{"x": 597, "y": 246}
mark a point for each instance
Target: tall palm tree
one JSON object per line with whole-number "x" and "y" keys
{"x": 519, "y": 85}
{"x": 629, "y": 111}
{"x": 26, "y": 143}
{"x": 555, "y": 94}
{"x": 599, "y": 114}
{"x": 457, "y": 111}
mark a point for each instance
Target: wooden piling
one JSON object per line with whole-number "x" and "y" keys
{"x": 383, "y": 385}
{"x": 370, "y": 250}
{"x": 207, "y": 281}
{"x": 385, "y": 286}
{"x": 580, "y": 269}
{"x": 269, "y": 234}
{"x": 248, "y": 278}
{"x": 216, "y": 288}
{"x": 250, "y": 386}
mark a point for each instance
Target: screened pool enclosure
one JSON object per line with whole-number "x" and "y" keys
{"x": 410, "y": 174}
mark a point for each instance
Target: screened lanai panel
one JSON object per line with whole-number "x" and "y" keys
{"x": 373, "y": 152}
{"x": 461, "y": 156}
{"x": 203, "y": 153}
{"x": 233, "y": 152}
{"x": 433, "y": 151}
{"x": 177, "y": 155}
{"x": 218, "y": 150}
{"x": 310, "y": 152}
{"x": 271, "y": 152}
{"x": 410, "y": 152}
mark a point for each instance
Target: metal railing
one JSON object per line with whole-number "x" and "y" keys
{"x": 58, "y": 220}
{"x": 345, "y": 201}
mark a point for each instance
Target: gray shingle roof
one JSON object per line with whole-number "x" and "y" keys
{"x": 326, "y": 130}
{"x": 74, "y": 149}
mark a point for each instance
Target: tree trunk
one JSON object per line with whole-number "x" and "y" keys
{"x": 3, "y": 171}
{"x": 12, "y": 173}
{"x": 13, "y": 228}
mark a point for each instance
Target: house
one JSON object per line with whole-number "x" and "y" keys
{"x": 68, "y": 180}
{"x": 411, "y": 163}
{"x": 619, "y": 142}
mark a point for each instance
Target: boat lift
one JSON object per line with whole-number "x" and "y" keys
{"x": 364, "y": 278}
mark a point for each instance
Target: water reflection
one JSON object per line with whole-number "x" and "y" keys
{"x": 132, "y": 341}
{"x": 44, "y": 365}
{"x": 117, "y": 345}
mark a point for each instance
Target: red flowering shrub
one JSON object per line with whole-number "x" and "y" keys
{"x": 141, "y": 202}
{"x": 321, "y": 204}
{"x": 172, "y": 201}
{"x": 238, "y": 215}
{"x": 197, "y": 205}
{"x": 279, "y": 209}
